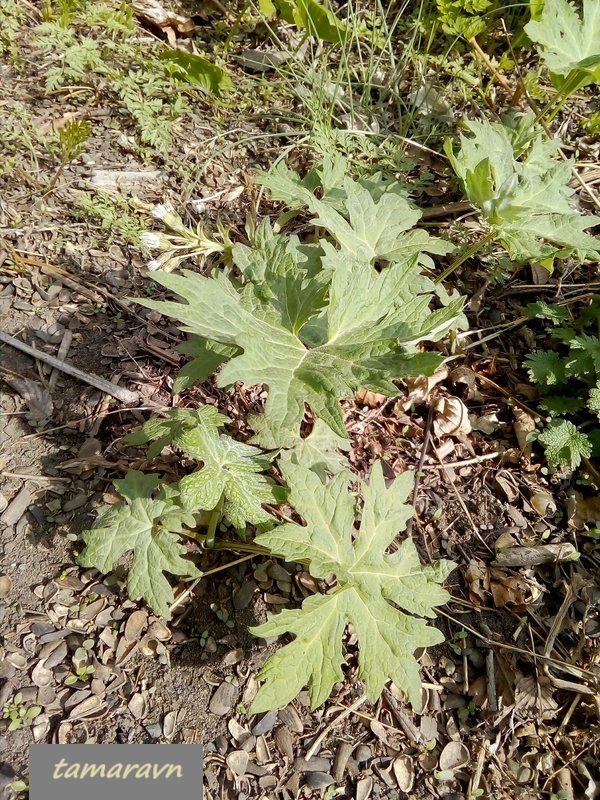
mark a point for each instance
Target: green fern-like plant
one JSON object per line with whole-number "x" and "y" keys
{"x": 568, "y": 378}
{"x": 100, "y": 48}
{"x": 464, "y": 18}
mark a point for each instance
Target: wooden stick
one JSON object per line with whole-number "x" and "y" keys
{"x": 124, "y": 395}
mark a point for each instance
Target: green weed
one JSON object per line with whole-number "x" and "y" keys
{"x": 113, "y": 213}
{"x": 567, "y": 375}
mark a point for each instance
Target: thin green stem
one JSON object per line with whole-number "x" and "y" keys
{"x": 467, "y": 253}
{"x": 215, "y": 518}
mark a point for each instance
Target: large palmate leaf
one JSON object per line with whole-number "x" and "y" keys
{"x": 513, "y": 176}
{"x": 372, "y": 588}
{"x": 321, "y": 451}
{"x": 147, "y": 525}
{"x": 569, "y": 44}
{"x": 313, "y": 323}
{"x": 231, "y": 474}
{"x": 370, "y": 218}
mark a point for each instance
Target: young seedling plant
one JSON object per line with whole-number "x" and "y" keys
{"x": 313, "y": 321}
{"x": 512, "y": 175}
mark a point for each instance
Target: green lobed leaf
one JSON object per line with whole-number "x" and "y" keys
{"x": 206, "y": 358}
{"x": 593, "y": 402}
{"x": 319, "y": 451}
{"x": 198, "y": 71}
{"x": 315, "y": 18}
{"x": 231, "y": 471}
{"x": 545, "y": 368}
{"x": 146, "y": 526}
{"x": 565, "y": 446}
{"x": 322, "y": 451}
{"x": 558, "y": 405}
{"x": 512, "y": 175}
{"x": 313, "y": 336}
{"x": 370, "y": 218}
{"x": 586, "y": 350}
{"x": 543, "y": 310}
{"x": 372, "y": 589}
{"x": 569, "y": 44}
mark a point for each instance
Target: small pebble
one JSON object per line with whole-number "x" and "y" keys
{"x": 223, "y": 699}
{"x": 314, "y": 764}
{"x": 363, "y": 753}
{"x": 154, "y": 730}
{"x": 265, "y": 724}
{"x": 318, "y": 780}
{"x": 283, "y": 742}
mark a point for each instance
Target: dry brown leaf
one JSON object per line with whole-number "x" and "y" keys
{"x": 524, "y": 425}
{"x": 540, "y": 275}
{"x": 452, "y": 417}
{"x": 364, "y": 397}
{"x": 582, "y": 510}
{"x": 455, "y": 755}
{"x": 478, "y": 581}
{"x": 543, "y": 503}
{"x": 38, "y": 398}
{"x": 514, "y": 591}
{"x": 153, "y": 12}
{"x": 486, "y": 423}
{"x": 467, "y": 377}
{"x": 404, "y": 772}
{"x": 135, "y": 624}
{"x": 506, "y": 486}
{"x": 420, "y": 388}
{"x": 55, "y": 125}
{"x": 535, "y": 696}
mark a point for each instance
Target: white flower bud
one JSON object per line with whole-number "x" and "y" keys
{"x": 161, "y": 211}
{"x": 150, "y": 240}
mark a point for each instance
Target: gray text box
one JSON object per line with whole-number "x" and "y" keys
{"x": 115, "y": 772}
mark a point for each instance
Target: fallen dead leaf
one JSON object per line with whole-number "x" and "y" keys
{"x": 543, "y": 503}
{"x": 514, "y": 591}
{"x": 524, "y": 425}
{"x": 404, "y": 772}
{"x": 38, "y": 398}
{"x": 478, "y": 581}
{"x": 535, "y": 695}
{"x": 455, "y": 755}
{"x": 420, "y": 388}
{"x": 582, "y": 510}
{"x": 370, "y": 399}
{"x": 486, "y": 423}
{"x": 153, "y": 12}
{"x": 452, "y": 417}
{"x": 468, "y": 378}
